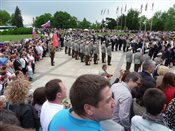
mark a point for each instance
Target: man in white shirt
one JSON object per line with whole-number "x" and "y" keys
{"x": 55, "y": 93}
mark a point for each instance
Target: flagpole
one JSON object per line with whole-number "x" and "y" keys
{"x": 121, "y": 17}
{"x": 141, "y": 18}
{"x": 152, "y": 18}
{"x": 146, "y": 6}
{"x": 125, "y": 17}
{"x": 117, "y": 17}
{"x": 125, "y": 23}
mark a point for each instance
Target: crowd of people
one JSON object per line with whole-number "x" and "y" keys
{"x": 139, "y": 101}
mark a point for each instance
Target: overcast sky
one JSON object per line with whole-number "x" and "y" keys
{"x": 90, "y": 9}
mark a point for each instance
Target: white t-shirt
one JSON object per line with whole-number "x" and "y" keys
{"x": 48, "y": 111}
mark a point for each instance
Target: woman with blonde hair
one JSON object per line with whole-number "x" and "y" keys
{"x": 16, "y": 95}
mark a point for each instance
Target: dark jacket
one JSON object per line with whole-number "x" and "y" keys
{"x": 26, "y": 114}
{"x": 147, "y": 82}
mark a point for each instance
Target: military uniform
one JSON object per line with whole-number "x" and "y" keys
{"x": 109, "y": 53}
{"x": 87, "y": 54}
{"x": 95, "y": 52}
{"x": 82, "y": 51}
{"x": 69, "y": 46}
{"x": 52, "y": 55}
{"x": 137, "y": 61}
{"x": 129, "y": 56}
{"x": 66, "y": 46}
{"x": 103, "y": 51}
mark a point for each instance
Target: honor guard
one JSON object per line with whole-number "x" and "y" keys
{"x": 95, "y": 52}
{"x": 109, "y": 53}
{"x": 103, "y": 52}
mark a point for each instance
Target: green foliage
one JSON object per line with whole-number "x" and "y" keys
{"x": 132, "y": 19}
{"x": 111, "y": 23}
{"x": 16, "y": 18}
{"x": 4, "y": 17}
{"x": 84, "y": 24}
{"x": 96, "y": 25}
{"x": 17, "y": 31}
{"x": 170, "y": 19}
{"x": 64, "y": 20}
{"x": 158, "y": 21}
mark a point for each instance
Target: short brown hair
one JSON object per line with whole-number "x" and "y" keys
{"x": 52, "y": 88}
{"x": 87, "y": 90}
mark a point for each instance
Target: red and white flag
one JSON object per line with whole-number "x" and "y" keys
{"x": 33, "y": 33}
{"x": 46, "y": 25}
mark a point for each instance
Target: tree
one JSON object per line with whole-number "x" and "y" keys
{"x": 96, "y": 25}
{"x": 170, "y": 19}
{"x": 121, "y": 21}
{"x": 144, "y": 23}
{"x": 17, "y": 18}
{"x": 111, "y": 23}
{"x": 4, "y": 17}
{"x": 84, "y": 24}
{"x": 132, "y": 20}
{"x": 42, "y": 19}
{"x": 158, "y": 21}
{"x": 64, "y": 20}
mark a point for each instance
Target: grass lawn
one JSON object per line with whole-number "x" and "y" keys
{"x": 14, "y": 37}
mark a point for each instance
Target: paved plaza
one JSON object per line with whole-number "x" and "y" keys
{"x": 68, "y": 69}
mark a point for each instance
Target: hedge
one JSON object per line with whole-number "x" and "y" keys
{"x": 17, "y": 31}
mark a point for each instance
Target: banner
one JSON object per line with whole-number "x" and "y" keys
{"x": 125, "y": 8}
{"x": 152, "y": 5}
{"x": 101, "y": 12}
{"x": 46, "y": 25}
{"x": 141, "y": 8}
{"x": 117, "y": 10}
{"x": 33, "y": 33}
{"x": 55, "y": 40}
{"x": 146, "y": 6}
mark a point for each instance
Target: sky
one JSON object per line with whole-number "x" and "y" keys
{"x": 89, "y": 9}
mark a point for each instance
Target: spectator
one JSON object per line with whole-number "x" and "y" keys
{"x": 162, "y": 70}
{"x": 170, "y": 115}
{"x": 92, "y": 102}
{"x": 17, "y": 95}
{"x": 168, "y": 86}
{"x": 55, "y": 93}
{"x": 104, "y": 72}
{"x": 152, "y": 120}
{"x": 147, "y": 82}
{"x": 123, "y": 98}
{"x": 39, "y": 97}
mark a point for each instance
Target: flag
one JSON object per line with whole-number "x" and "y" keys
{"x": 152, "y": 5}
{"x": 117, "y": 10}
{"x": 101, "y": 12}
{"x": 143, "y": 48}
{"x": 46, "y": 25}
{"x": 122, "y": 10}
{"x": 33, "y": 33}
{"x": 108, "y": 11}
{"x": 146, "y": 6}
{"x": 104, "y": 11}
{"x": 141, "y": 8}
{"x": 55, "y": 40}
{"x": 125, "y": 8}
